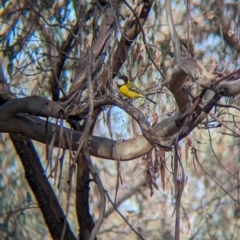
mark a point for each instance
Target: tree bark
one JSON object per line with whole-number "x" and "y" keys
{"x": 46, "y": 198}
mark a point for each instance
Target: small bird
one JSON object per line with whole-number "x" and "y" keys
{"x": 128, "y": 89}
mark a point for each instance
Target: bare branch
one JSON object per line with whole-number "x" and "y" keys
{"x": 104, "y": 34}
{"x": 86, "y": 136}
{"x": 173, "y": 33}
{"x": 47, "y": 200}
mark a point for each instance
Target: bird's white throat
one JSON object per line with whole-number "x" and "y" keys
{"x": 120, "y": 82}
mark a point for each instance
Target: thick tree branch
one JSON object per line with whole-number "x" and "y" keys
{"x": 13, "y": 122}
{"x": 82, "y": 197}
{"x": 47, "y": 200}
{"x": 34, "y": 128}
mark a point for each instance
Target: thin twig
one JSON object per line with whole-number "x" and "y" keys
{"x": 138, "y": 234}
{"x": 179, "y": 185}
{"x": 86, "y": 148}
{"x": 220, "y": 121}
{"x": 209, "y": 175}
{"x": 144, "y": 38}
{"x": 173, "y": 33}
{"x": 224, "y": 77}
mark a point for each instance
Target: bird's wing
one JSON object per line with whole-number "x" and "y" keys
{"x": 132, "y": 87}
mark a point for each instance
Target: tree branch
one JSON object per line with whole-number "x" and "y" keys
{"x": 47, "y": 200}
{"x": 13, "y": 122}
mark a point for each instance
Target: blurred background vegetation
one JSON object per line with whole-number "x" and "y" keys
{"x": 31, "y": 35}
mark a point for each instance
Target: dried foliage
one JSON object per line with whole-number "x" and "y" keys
{"x": 59, "y": 61}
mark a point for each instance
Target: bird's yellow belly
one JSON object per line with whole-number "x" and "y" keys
{"x": 128, "y": 93}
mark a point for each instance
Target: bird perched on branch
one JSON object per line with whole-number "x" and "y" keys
{"x": 128, "y": 89}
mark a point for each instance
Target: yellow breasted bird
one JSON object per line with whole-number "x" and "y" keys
{"x": 128, "y": 89}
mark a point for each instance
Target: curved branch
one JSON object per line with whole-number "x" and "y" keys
{"x": 101, "y": 147}
{"x": 12, "y": 119}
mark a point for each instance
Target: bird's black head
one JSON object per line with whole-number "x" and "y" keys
{"x": 122, "y": 80}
